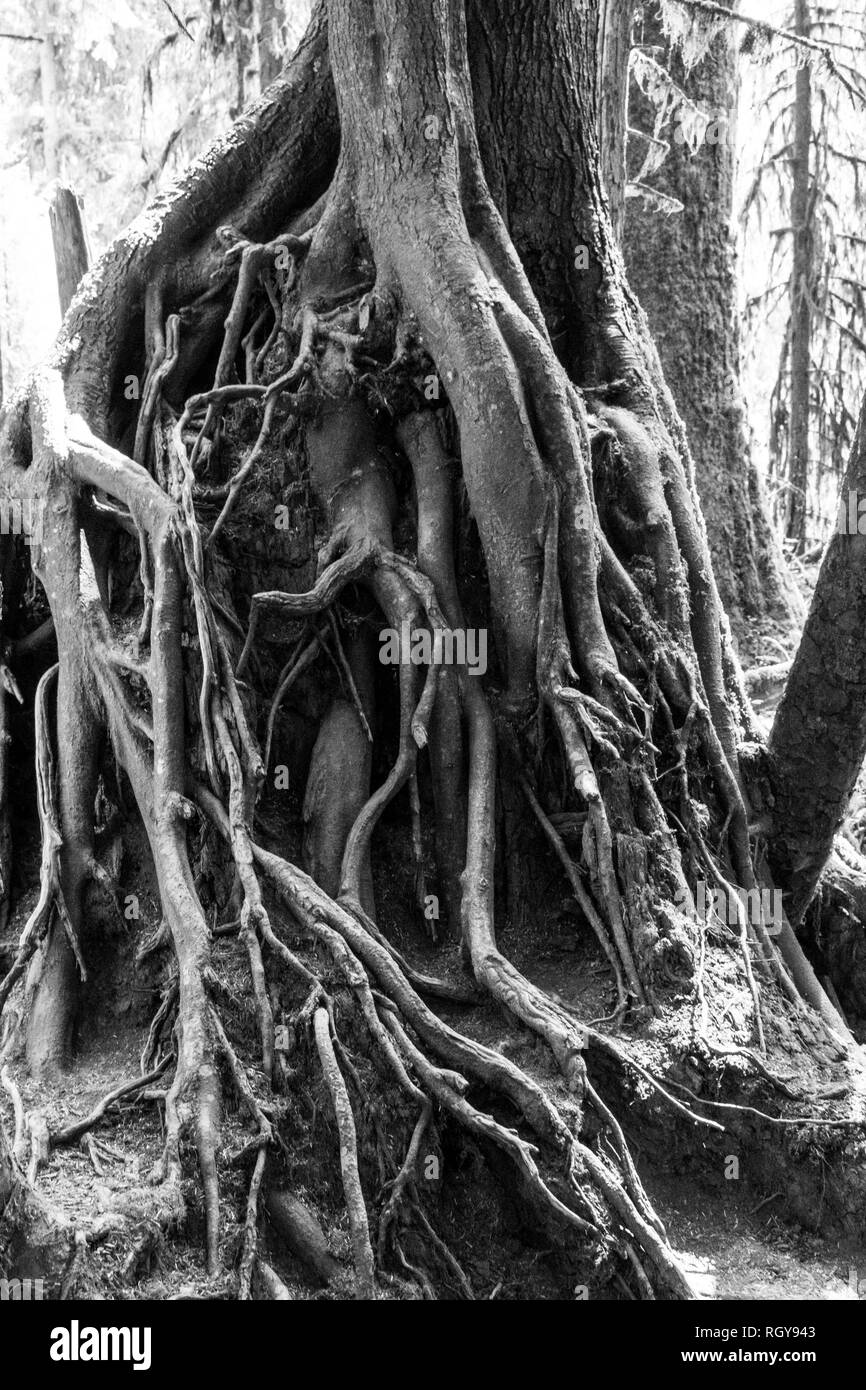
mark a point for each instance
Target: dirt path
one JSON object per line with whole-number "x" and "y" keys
{"x": 733, "y": 1251}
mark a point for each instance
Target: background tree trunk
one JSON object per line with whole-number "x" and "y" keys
{"x": 69, "y": 234}
{"x": 48, "y": 90}
{"x": 818, "y": 739}
{"x": 802, "y": 231}
{"x": 270, "y": 16}
{"x": 682, "y": 268}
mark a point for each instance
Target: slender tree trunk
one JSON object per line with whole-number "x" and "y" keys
{"x": 682, "y": 266}
{"x": 69, "y": 234}
{"x": 246, "y": 54}
{"x": 48, "y": 92}
{"x": 270, "y": 18}
{"x": 802, "y": 231}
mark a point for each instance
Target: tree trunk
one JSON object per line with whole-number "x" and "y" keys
{"x": 696, "y": 328}
{"x": 69, "y": 233}
{"x": 612, "y": 101}
{"x": 802, "y": 232}
{"x": 48, "y": 93}
{"x": 818, "y": 740}
{"x": 270, "y": 17}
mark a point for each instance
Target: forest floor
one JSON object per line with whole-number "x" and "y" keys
{"x": 733, "y": 1250}
{"x": 736, "y": 1239}
{"x": 734, "y": 1242}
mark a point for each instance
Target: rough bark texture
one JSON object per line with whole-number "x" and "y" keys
{"x": 800, "y": 348}
{"x": 682, "y": 267}
{"x": 69, "y": 234}
{"x": 612, "y": 101}
{"x": 818, "y": 740}
{"x": 7, "y": 1174}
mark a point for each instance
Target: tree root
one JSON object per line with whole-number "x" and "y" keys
{"x": 365, "y": 1287}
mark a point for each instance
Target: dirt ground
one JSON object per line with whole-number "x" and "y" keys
{"x": 733, "y": 1243}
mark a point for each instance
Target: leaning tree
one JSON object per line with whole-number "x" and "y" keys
{"x": 385, "y": 323}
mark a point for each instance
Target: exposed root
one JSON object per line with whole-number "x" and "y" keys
{"x": 358, "y": 1224}
{"x": 70, "y": 1134}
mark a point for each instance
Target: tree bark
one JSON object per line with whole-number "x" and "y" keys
{"x": 818, "y": 739}
{"x": 802, "y": 232}
{"x": 276, "y": 161}
{"x": 7, "y": 1172}
{"x": 682, "y": 267}
{"x": 48, "y": 91}
{"x": 69, "y": 234}
{"x": 612, "y": 100}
